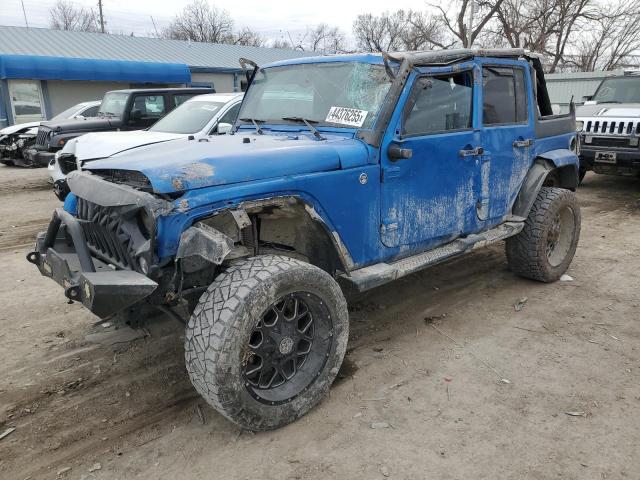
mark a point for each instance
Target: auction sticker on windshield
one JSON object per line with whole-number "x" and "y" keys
{"x": 346, "y": 116}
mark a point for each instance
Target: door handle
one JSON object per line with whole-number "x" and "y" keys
{"x": 523, "y": 143}
{"x": 395, "y": 152}
{"x": 470, "y": 152}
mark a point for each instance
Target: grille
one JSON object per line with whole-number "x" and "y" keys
{"x": 109, "y": 235}
{"x": 619, "y": 127}
{"x": 67, "y": 163}
{"x": 619, "y": 142}
{"x": 42, "y": 139}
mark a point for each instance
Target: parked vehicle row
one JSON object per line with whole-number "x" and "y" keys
{"x": 120, "y": 110}
{"x": 198, "y": 117}
{"x": 14, "y": 140}
{"x": 341, "y": 173}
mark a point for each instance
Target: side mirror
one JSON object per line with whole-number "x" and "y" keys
{"x": 135, "y": 116}
{"x": 224, "y": 128}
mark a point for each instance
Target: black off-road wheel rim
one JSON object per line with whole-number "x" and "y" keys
{"x": 560, "y": 236}
{"x": 288, "y": 348}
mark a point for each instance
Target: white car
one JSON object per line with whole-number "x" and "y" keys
{"x": 198, "y": 117}
{"x": 16, "y": 138}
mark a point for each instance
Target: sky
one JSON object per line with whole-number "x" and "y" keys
{"x": 273, "y": 19}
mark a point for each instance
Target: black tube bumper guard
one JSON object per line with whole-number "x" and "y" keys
{"x": 86, "y": 279}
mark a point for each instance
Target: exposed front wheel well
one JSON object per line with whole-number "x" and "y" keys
{"x": 283, "y": 226}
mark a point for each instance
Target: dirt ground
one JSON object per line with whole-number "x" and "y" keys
{"x": 459, "y": 384}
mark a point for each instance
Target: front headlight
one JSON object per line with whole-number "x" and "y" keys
{"x": 579, "y": 126}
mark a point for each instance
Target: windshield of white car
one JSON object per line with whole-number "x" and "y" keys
{"x": 619, "y": 90}
{"x": 339, "y": 94}
{"x": 68, "y": 113}
{"x": 190, "y": 117}
{"x": 113, "y": 104}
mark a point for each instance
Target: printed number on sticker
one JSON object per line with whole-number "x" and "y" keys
{"x": 346, "y": 116}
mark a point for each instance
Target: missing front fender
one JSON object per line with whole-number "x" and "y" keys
{"x": 201, "y": 246}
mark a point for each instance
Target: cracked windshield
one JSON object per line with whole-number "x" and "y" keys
{"x": 332, "y": 93}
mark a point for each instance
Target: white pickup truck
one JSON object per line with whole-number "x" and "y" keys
{"x": 198, "y": 117}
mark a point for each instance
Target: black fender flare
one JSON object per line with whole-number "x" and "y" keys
{"x": 534, "y": 180}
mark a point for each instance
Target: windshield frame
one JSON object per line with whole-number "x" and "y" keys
{"x": 243, "y": 119}
{"x": 626, "y": 78}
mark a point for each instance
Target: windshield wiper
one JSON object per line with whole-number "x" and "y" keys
{"x": 256, "y": 123}
{"x": 313, "y": 129}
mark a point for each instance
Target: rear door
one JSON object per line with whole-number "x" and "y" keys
{"x": 507, "y": 137}
{"x": 431, "y": 197}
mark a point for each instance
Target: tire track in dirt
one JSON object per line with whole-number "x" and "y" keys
{"x": 21, "y": 234}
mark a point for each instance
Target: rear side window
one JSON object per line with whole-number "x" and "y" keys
{"x": 504, "y": 96}
{"x": 439, "y": 104}
{"x": 150, "y": 106}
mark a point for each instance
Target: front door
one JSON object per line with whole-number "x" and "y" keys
{"x": 431, "y": 197}
{"x": 26, "y": 101}
{"x": 507, "y": 137}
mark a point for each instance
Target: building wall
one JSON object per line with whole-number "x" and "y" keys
{"x": 222, "y": 82}
{"x": 64, "y": 94}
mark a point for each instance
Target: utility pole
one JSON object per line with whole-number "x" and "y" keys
{"x": 472, "y": 13}
{"x": 24, "y": 12}
{"x": 101, "y": 16}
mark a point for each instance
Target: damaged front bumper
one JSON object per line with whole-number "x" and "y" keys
{"x": 62, "y": 254}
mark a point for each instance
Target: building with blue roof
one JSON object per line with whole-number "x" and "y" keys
{"x": 43, "y": 72}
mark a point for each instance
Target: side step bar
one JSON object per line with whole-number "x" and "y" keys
{"x": 375, "y": 275}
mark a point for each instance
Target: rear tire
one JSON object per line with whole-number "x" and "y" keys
{"x": 543, "y": 250}
{"x": 266, "y": 340}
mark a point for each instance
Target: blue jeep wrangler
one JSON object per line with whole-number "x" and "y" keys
{"x": 344, "y": 173}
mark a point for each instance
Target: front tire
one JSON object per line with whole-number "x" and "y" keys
{"x": 543, "y": 250}
{"x": 266, "y": 340}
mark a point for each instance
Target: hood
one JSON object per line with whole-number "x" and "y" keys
{"x": 187, "y": 164}
{"x": 106, "y": 144}
{"x": 90, "y": 124}
{"x": 609, "y": 110}
{"x": 20, "y": 128}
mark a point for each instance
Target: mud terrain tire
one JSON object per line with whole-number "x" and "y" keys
{"x": 221, "y": 347}
{"x": 543, "y": 250}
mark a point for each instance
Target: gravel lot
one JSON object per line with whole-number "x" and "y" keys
{"x": 460, "y": 384}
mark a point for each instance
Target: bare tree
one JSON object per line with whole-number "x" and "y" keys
{"x": 424, "y": 31}
{"x": 201, "y": 22}
{"x": 65, "y": 15}
{"x": 379, "y": 33}
{"x": 399, "y": 30}
{"x": 248, "y": 37}
{"x": 610, "y": 40}
{"x": 455, "y": 19}
{"x": 282, "y": 44}
{"x": 321, "y": 38}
